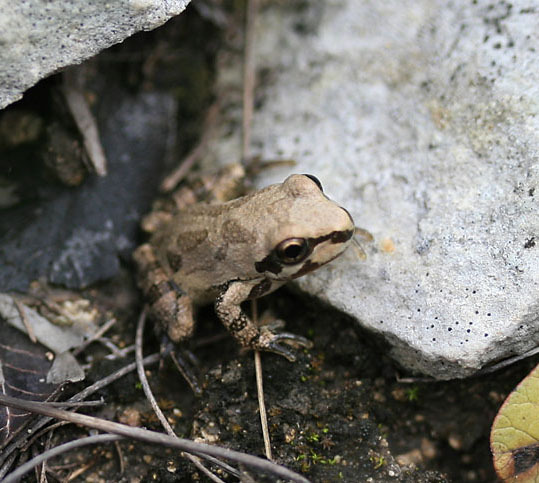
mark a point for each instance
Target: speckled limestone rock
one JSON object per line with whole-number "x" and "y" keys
{"x": 421, "y": 117}
{"x": 37, "y": 38}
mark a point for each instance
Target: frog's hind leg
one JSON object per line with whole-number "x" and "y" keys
{"x": 168, "y": 303}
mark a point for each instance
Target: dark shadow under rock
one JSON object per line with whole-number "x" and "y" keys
{"x": 73, "y": 236}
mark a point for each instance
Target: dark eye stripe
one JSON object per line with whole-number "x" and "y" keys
{"x": 273, "y": 264}
{"x": 334, "y": 236}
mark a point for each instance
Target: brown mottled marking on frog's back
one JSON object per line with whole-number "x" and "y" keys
{"x": 187, "y": 240}
{"x": 220, "y": 252}
{"x": 174, "y": 259}
{"x": 233, "y": 232}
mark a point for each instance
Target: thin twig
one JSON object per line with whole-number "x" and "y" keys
{"x": 507, "y": 362}
{"x": 172, "y": 180}
{"x": 79, "y": 471}
{"x": 142, "y": 376}
{"x": 149, "y": 395}
{"x": 76, "y": 404}
{"x": 46, "y": 430}
{"x": 85, "y": 121}
{"x": 7, "y": 465}
{"x": 248, "y": 109}
{"x": 120, "y": 457}
{"x": 193, "y": 384}
{"x": 104, "y": 328}
{"x": 260, "y": 390}
{"x": 48, "y": 444}
{"x": 14, "y": 476}
{"x": 87, "y": 392}
{"x": 248, "y": 78}
{"x": 153, "y": 437}
{"x": 262, "y": 405}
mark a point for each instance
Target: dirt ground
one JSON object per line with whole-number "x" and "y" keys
{"x": 336, "y": 414}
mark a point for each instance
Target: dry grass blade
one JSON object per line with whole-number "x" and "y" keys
{"x": 248, "y": 78}
{"x": 172, "y": 180}
{"x": 9, "y": 448}
{"x": 260, "y": 390}
{"x": 14, "y": 476}
{"x": 151, "y": 398}
{"x": 85, "y": 121}
{"x": 121, "y": 461}
{"x": 262, "y": 405}
{"x": 248, "y": 109}
{"x": 507, "y": 362}
{"x": 153, "y": 437}
{"x": 104, "y": 328}
{"x": 144, "y": 380}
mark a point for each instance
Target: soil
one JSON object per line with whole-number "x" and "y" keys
{"x": 339, "y": 413}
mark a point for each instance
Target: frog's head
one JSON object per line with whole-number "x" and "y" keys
{"x": 308, "y": 229}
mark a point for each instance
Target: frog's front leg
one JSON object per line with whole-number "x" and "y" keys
{"x": 168, "y": 303}
{"x": 228, "y": 309}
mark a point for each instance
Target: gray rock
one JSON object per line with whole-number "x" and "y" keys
{"x": 38, "y": 38}
{"x": 421, "y": 118}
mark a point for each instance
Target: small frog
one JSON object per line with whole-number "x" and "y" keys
{"x": 242, "y": 249}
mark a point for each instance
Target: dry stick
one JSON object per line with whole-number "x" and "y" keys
{"x": 507, "y": 362}
{"x": 171, "y": 181}
{"x": 248, "y": 78}
{"x": 67, "y": 404}
{"x": 85, "y": 121}
{"x": 149, "y": 395}
{"x": 22, "y": 433}
{"x": 260, "y": 391}
{"x": 248, "y": 103}
{"x": 480, "y": 373}
{"x": 48, "y": 444}
{"x": 7, "y": 465}
{"x": 100, "y": 332}
{"x": 121, "y": 461}
{"x": 14, "y": 476}
{"x": 96, "y": 386}
{"x": 153, "y": 437}
{"x": 80, "y": 470}
{"x": 48, "y": 429}
{"x": 142, "y": 376}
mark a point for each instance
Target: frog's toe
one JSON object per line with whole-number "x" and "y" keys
{"x": 274, "y": 343}
{"x": 294, "y": 339}
{"x": 281, "y": 350}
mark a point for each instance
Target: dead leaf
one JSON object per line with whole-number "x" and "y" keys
{"x": 514, "y": 438}
{"x": 23, "y": 371}
{"x": 58, "y": 339}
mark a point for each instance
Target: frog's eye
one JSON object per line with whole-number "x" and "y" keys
{"x": 292, "y": 250}
{"x": 315, "y": 180}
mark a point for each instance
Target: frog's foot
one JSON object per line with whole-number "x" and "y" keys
{"x": 271, "y": 342}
